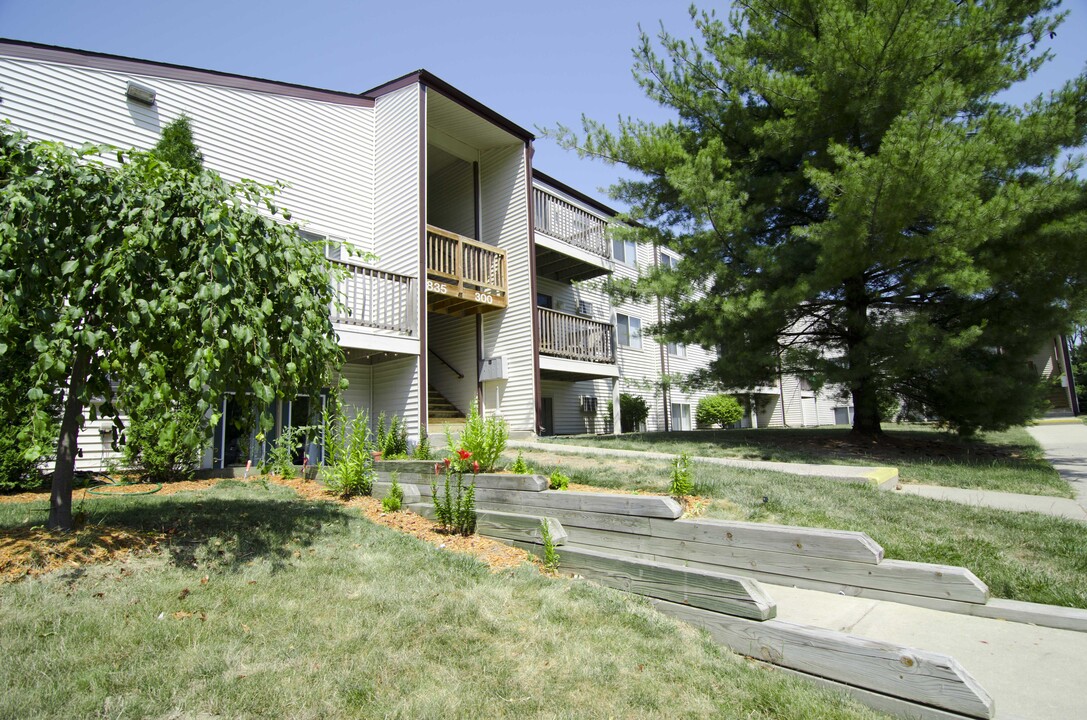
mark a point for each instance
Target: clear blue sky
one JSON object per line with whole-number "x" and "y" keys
{"x": 538, "y": 64}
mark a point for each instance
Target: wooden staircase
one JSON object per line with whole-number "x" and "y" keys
{"x": 441, "y": 412}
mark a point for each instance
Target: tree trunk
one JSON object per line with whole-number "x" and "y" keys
{"x": 60, "y": 502}
{"x": 862, "y": 387}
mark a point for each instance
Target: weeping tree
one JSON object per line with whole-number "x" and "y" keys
{"x": 861, "y": 208}
{"x": 173, "y": 284}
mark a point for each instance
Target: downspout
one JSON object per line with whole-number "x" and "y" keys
{"x": 536, "y": 391}
{"x": 423, "y": 409}
{"x": 1073, "y": 398}
{"x": 663, "y": 348}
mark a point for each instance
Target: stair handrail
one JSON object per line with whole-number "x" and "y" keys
{"x": 446, "y": 363}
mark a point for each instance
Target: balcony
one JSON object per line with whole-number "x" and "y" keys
{"x": 574, "y": 347}
{"x": 375, "y": 299}
{"x": 464, "y": 276}
{"x": 571, "y": 243}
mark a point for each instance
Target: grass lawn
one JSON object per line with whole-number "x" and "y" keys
{"x": 1009, "y": 461}
{"x": 1021, "y": 556}
{"x": 257, "y": 603}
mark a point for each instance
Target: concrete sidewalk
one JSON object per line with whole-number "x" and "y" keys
{"x": 873, "y": 475}
{"x": 1065, "y": 447}
{"x": 1044, "y": 504}
{"x": 1033, "y": 673}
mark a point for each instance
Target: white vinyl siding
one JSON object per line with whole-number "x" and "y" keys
{"x": 454, "y": 340}
{"x": 396, "y": 391}
{"x": 397, "y": 212}
{"x": 566, "y": 403}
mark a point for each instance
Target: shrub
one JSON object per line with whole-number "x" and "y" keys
{"x": 455, "y": 507}
{"x": 168, "y": 444}
{"x": 16, "y": 472}
{"x": 395, "y": 499}
{"x": 280, "y": 459}
{"x": 349, "y": 467}
{"x": 551, "y": 556}
{"x": 422, "y": 450}
{"x": 484, "y": 439}
{"x": 721, "y": 410}
{"x": 633, "y": 410}
{"x": 520, "y": 467}
{"x": 681, "y": 484}
{"x": 558, "y": 481}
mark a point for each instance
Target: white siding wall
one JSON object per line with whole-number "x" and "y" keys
{"x": 508, "y": 333}
{"x": 357, "y": 396}
{"x": 451, "y": 199}
{"x": 396, "y": 163}
{"x": 396, "y": 391}
{"x": 567, "y": 415}
{"x": 322, "y": 149}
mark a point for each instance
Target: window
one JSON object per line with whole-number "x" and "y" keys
{"x": 667, "y": 261}
{"x": 678, "y": 350}
{"x": 624, "y": 251}
{"x": 544, "y": 301}
{"x": 681, "y": 416}
{"x": 629, "y": 330}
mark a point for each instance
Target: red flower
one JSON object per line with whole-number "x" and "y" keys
{"x": 447, "y": 461}
{"x": 464, "y": 454}
{"x": 475, "y": 467}
{"x": 437, "y": 468}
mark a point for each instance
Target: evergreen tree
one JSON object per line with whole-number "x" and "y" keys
{"x": 859, "y": 206}
{"x": 176, "y": 146}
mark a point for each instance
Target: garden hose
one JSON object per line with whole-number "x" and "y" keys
{"x": 97, "y": 490}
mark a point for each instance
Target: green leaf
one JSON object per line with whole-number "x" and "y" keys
{"x": 68, "y": 267}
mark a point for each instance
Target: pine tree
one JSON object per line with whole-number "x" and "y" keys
{"x": 860, "y": 207}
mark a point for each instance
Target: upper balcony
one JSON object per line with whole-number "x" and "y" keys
{"x": 574, "y": 347}
{"x": 464, "y": 276}
{"x": 571, "y": 243}
{"x": 375, "y": 300}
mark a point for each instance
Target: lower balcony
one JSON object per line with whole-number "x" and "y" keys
{"x": 376, "y": 300}
{"x": 464, "y": 276}
{"x": 574, "y": 347}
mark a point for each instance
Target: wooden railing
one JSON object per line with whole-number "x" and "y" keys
{"x": 576, "y": 338}
{"x": 460, "y": 259}
{"x": 375, "y": 298}
{"x": 569, "y": 223}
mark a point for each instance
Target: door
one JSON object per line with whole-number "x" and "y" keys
{"x": 547, "y": 421}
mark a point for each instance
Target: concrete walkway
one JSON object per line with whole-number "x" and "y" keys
{"x": 874, "y": 475}
{"x": 1065, "y": 447}
{"x": 1033, "y": 673}
{"x": 1044, "y": 504}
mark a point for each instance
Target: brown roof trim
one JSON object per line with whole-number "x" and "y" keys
{"x": 547, "y": 179}
{"x": 435, "y": 83}
{"x": 117, "y": 63}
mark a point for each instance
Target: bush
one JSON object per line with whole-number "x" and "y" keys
{"x": 633, "y": 410}
{"x": 395, "y": 499}
{"x": 551, "y": 556}
{"x": 168, "y": 444}
{"x": 422, "y": 450}
{"x": 280, "y": 459}
{"x": 455, "y": 506}
{"x": 485, "y": 439}
{"x": 395, "y": 444}
{"x": 719, "y": 410}
{"x": 558, "y": 481}
{"x": 520, "y": 467}
{"x": 16, "y": 472}
{"x": 349, "y": 467}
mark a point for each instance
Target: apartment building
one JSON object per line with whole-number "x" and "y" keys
{"x": 488, "y": 283}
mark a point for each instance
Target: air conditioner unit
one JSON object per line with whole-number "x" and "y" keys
{"x": 588, "y": 404}
{"x": 584, "y": 308}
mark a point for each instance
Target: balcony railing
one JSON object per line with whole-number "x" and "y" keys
{"x": 376, "y": 299}
{"x": 576, "y": 338}
{"x": 569, "y": 223}
{"x": 465, "y": 270}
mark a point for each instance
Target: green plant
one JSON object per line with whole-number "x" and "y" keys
{"x": 422, "y": 449}
{"x": 167, "y": 443}
{"x": 280, "y": 458}
{"x": 520, "y": 467}
{"x": 395, "y": 444}
{"x": 455, "y": 506}
{"x": 382, "y": 434}
{"x": 485, "y": 439}
{"x": 551, "y": 556}
{"x": 16, "y": 472}
{"x": 349, "y": 466}
{"x": 395, "y": 499}
{"x": 633, "y": 410}
{"x": 721, "y": 410}
{"x": 681, "y": 484}
{"x": 558, "y": 481}
{"x": 176, "y": 146}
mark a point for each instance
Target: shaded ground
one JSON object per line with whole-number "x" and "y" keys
{"x": 33, "y": 550}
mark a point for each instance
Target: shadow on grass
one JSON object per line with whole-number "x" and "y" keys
{"x": 222, "y": 528}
